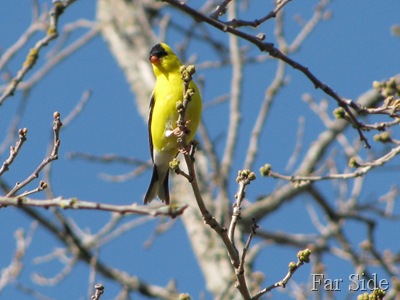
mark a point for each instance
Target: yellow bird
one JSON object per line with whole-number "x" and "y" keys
{"x": 163, "y": 115}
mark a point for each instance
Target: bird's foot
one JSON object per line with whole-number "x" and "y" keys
{"x": 179, "y": 131}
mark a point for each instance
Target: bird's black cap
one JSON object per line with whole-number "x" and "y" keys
{"x": 158, "y": 51}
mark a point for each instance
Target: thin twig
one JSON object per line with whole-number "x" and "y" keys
{"x": 99, "y": 291}
{"x": 362, "y": 169}
{"x": 53, "y": 156}
{"x": 272, "y": 90}
{"x": 346, "y": 104}
{"x": 14, "y": 150}
{"x": 243, "y": 179}
{"x": 33, "y": 55}
{"x": 302, "y": 257}
{"x": 270, "y": 93}
{"x": 234, "y": 103}
{"x": 60, "y": 56}
{"x": 38, "y": 25}
{"x": 298, "y": 146}
{"x": 92, "y": 272}
{"x": 42, "y": 186}
{"x": 78, "y": 108}
{"x": 11, "y": 272}
{"x": 61, "y": 275}
{"x": 108, "y": 159}
{"x": 66, "y": 121}
{"x": 239, "y": 23}
{"x": 254, "y": 227}
{"x": 308, "y": 28}
{"x": 14, "y": 124}
{"x": 241, "y": 279}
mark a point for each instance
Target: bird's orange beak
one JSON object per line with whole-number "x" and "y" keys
{"x": 154, "y": 60}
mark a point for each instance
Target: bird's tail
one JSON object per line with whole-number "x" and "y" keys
{"x": 158, "y": 187}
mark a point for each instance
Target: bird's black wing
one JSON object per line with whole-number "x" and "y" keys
{"x": 151, "y": 106}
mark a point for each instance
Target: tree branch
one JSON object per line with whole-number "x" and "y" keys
{"x": 52, "y": 33}
{"x": 346, "y": 104}
{"x": 53, "y": 156}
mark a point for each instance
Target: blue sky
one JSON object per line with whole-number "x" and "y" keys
{"x": 348, "y": 53}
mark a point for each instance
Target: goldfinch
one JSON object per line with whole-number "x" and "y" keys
{"x": 163, "y": 115}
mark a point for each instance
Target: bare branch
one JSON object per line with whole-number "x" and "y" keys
{"x": 14, "y": 150}
{"x": 53, "y": 156}
{"x": 78, "y": 108}
{"x": 243, "y": 179}
{"x": 10, "y": 274}
{"x": 239, "y": 23}
{"x": 303, "y": 257}
{"x": 362, "y": 169}
{"x": 235, "y": 100}
{"x": 99, "y": 291}
{"x": 74, "y": 203}
{"x": 346, "y": 104}
{"x": 33, "y": 55}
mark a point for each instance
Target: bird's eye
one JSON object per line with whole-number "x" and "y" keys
{"x": 154, "y": 59}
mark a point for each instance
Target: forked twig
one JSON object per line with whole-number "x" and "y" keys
{"x": 14, "y": 150}
{"x": 53, "y": 156}
{"x": 33, "y": 55}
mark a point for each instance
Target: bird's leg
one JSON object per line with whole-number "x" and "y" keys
{"x": 190, "y": 149}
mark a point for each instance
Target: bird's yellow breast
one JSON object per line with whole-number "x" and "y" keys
{"x": 168, "y": 91}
